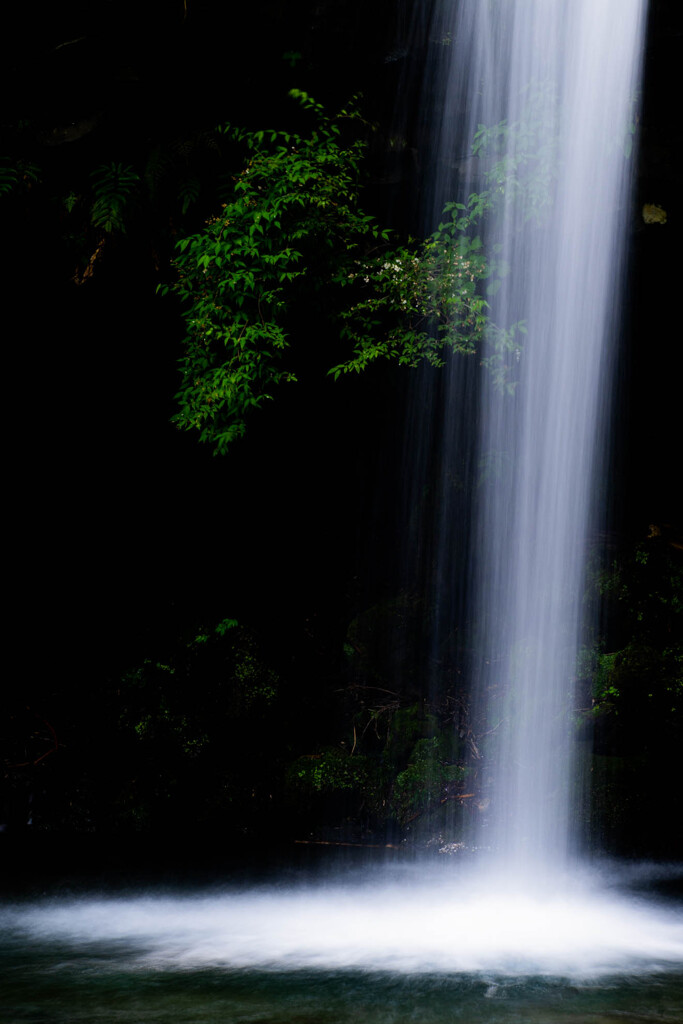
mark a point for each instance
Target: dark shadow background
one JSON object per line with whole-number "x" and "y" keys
{"x": 120, "y": 533}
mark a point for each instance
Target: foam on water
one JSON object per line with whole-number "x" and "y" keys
{"x": 456, "y": 923}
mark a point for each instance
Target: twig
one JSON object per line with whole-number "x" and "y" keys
{"x": 52, "y": 750}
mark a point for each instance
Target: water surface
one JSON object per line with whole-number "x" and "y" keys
{"x": 370, "y": 946}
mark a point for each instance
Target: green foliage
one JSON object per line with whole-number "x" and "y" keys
{"x": 425, "y": 296}
{"x": 292, "y": 57}
{"x": 288, "y": 208}
{"x": 188, "y": 194}
{"x": 425, "y": 781}
{"x": 291, "y": 230}
{"x": 113, "y": 187}
{"x": 643, "y": 678}
{"x": 604, "y": 688}
{"x": 405, "y": 764}
{"x": 114, "y": 198}
{"x": 406, "y": 728}
{"x": 638, "y": 697}
{"x": 8, "y": 176}
{"x": 196, "y": 729}
{"x": 17, "y": 174}
{"x": 331, "y": 770}
{"x": 224, "y": 625}
{"x": 647, "y": 586}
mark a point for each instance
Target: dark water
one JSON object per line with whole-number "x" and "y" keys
{"x": 361, "y": 947}
{"x": 102, "y": 983}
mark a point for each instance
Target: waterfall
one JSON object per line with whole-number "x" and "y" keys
{"x": 548, "y": 89}
{"x": 513, "y": 475}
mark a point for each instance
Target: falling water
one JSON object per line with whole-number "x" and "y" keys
{"x": 553, "y": 83}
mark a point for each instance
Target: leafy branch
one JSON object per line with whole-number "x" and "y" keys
{"x": 427, "y": 295}
{"x": 292, "y": 228}
{"x": 17, "y": 174}
{"x": 113, "y": 187}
